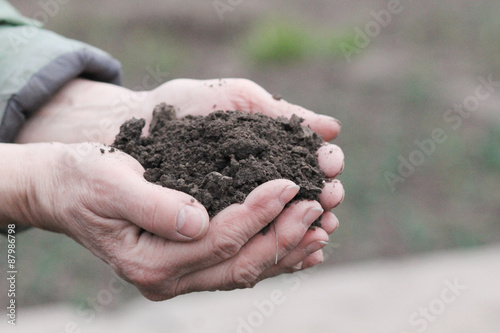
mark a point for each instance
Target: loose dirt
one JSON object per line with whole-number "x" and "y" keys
{"x": 220, "y": 158}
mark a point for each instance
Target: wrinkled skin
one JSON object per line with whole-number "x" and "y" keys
{"x": 157, "y": 238}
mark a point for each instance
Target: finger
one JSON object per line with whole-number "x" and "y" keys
{"x": 249, "y": 96}
{"x": 245, "y": 269}
{"x": 327, "y": 127}
{"x": 164, "y": 212}
{"x": 259, "y": 209}
{"x": 228, "y": 232}
{"x": 331, "y": 160}
{"x": 314, "y": 259}
{"x": 329, "y": 222}
{"x": 314, "y": 240}
{"x": 233, "y": 227}
{"x": 332, "y": 194}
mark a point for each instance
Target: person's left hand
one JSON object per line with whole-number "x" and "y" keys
{"x": 200, "y": 97}
{"x": 89, "y": 111}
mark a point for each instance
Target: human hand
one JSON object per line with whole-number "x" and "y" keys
{"x": 84, "y": 110}
{"x": 89, "y": 111}
{"x": 93, "y": 111}
{"x": 102, "y": 201}
{"x": 200, "y": 97}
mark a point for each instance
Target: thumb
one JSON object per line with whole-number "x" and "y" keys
{"x": 167, "y": 213}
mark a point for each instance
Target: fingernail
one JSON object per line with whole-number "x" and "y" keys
{"x": 329, "y": 118}
{"x": 191, "y": 221}
{"x": 298, "y": 267}
{"x": 315, "y": 246}
{"x": 288, "y": 193}
{"x": 312, "y": 215}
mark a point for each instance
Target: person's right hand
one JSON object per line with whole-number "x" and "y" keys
{"x": 157, "y": 238}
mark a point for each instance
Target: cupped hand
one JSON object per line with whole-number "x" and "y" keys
{"x": 123, "y": 227}
{"x": 89, "y": 111}
{"x": 200, "y": 97}
{"x": 98, "y": 197}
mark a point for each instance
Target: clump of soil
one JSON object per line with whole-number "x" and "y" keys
{"x": 220, "y": 158}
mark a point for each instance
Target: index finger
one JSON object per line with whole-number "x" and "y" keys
{"x": 326, "y": 126}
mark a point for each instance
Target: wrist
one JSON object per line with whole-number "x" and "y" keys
{"x": 15, "y": 185}
{"x": 83, "y": 111}
{"x": 25, "y": 178}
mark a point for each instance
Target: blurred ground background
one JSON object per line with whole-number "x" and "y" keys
{"x": 397, "y": 87}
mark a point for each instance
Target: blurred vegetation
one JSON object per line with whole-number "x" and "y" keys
{"x": 278, "y": 42}
{"x": 395, "y": 92}
{"x": 282, "y": 41}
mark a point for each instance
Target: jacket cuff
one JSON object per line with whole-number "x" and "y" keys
{"x": 33, "y": 70}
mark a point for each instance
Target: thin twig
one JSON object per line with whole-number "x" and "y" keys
{"x": 277, "y": 245}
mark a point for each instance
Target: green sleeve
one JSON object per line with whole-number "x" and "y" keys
{"x": 9, "y": 15}
{"x": 35, "y": 63}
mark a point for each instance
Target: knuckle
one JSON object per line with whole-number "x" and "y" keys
{"x": 287, "y": 244}
{"x": 245, "y": 276}
{"x": 245, "y": 83}
{"x": 145, "y": 278}
{"x": 155, "y": 297}
{"x": 150, "y": 210}
{"x": 260, "y": 209}
{"x": 226, "y": 247}
{"x": 261, "y": 212}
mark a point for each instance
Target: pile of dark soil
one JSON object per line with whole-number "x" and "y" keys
{"x": 220, "y": 158}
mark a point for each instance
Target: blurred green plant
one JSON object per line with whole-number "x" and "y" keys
{"x": 273, "y": 41}
{"x": 270, "y": 42}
